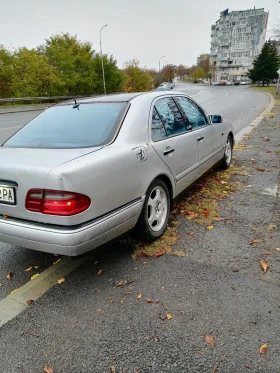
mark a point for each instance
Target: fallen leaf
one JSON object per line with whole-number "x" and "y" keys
{"x": 28, "y": 269}
{"x": 9, "y": 275}
{"x": 99, "y": 310}
{"x": 223, "y": 182}
{"x": 160, "y": 253}
{"x": 168, "y": 316}
{"x": 113, "y": 369}
{"x": 247, "y": 366}
{"x": 34, "y": 276}
{"x": 99, "y": 272}
{"x": 36, "y": 267}
{"x": 278, "y": 249}
{"x": 255, "y": 241}
{"x": 268, "y": 151}
{"x": 210, "y": 339}
{"x": 111, "y": 301}
{"x": 205, "y": 213}
{"x": 13, "y": 291}
{"x": 260, "y": 169}
{"x": 157, "y": 300}
{"x": 191, "y": 233}
{"x": 263, "y": 349}
{"x": 29, "y": 302}
{"x": 144, "y": 262}
{"x": 264, "y": 265}
{"x": 156, "y": 339}
{"x": 139, "y": 296}
{"x": 1, "y": 284}
{"x": 61, "y": 280}
{"x": 58, "y": 260}
{"x": 210, "y": 227}
{"x": 149, "y": 300}
{"x": 249, "y": 186}
{"x": 48, "y": 369}
{"x": 201, "y": 352}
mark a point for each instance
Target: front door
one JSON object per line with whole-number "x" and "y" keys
{"x": 174, "y": 142}
{"x": 208, "y": 136}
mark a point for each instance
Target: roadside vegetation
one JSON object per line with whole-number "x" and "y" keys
{"x": 67, "y": 66}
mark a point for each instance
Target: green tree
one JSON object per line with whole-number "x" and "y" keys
{"x": 136, "y": 79}
{"x": 6, "y": 72}
{"x": 181, "y": 71}
{"x": 267, "y": 63}
{"x": 32, "y": 74}
{"x": 74, "y": 62}
{"x": 113, "y": 75}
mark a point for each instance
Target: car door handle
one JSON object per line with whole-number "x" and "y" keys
{"x": 168, "y": 151}
{"x": 200, "y": 138}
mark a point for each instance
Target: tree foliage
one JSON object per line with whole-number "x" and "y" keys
{"x": 267, "y": 63}
{"x": 135, "y": 78}
{"x": 6, "y": 72}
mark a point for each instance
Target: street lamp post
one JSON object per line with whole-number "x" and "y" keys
{"x": 102, "y": 60}
{"x": 159, "y": 65}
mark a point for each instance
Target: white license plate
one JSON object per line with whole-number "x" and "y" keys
{"x": 7, "y": 195}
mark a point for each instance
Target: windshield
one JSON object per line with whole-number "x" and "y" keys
{"x": 71, "y": 126}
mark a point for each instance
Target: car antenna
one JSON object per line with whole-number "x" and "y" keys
{"x": 76, "y": 106}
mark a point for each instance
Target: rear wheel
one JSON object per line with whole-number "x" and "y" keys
{"x": 227, "y": 159}
{"x": 155, "y": 213}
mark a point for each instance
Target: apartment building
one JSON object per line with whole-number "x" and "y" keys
{"x": 236, "y": 39}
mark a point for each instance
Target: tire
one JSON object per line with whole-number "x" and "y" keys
{"x": 155, "y": 213}
{"x": 227, "y": 159}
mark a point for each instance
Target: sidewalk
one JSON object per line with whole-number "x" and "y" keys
{"x": 221, "y": 303}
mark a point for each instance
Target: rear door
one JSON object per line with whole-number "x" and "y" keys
{"x": 208, "y": 136}
{"x": 174, "y": 142}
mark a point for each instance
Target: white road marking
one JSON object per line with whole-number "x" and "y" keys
{"x": 209, "y": 103}
{"x": 271, "y": 191}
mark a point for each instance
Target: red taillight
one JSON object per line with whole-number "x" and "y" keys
{"x": 55, "y": 202}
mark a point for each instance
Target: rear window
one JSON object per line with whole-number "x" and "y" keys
{"x": 67, "y": 126}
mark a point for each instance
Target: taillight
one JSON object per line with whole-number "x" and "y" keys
{"x": 55, "y": 202}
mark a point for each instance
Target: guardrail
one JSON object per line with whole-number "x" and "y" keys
{"x": 50, "y": 98}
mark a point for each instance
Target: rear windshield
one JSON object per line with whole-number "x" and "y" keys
{"x": 71, "y": 126}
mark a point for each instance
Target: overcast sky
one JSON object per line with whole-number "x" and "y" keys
{"x": 142, "y": 29}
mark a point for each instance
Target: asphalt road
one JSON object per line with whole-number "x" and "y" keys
{"x": 235, "y": 103}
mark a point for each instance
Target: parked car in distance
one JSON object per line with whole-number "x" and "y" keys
{"x": 243, "y": 82}
{"x": 216, "y": 83}
{"x": 223, "y": 82}
{"x": 236, "y": 82}
{"x": 229, "y": 82}
{"x": 84, "y": 172}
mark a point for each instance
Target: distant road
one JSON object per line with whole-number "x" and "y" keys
{"x": 236, "y": 103}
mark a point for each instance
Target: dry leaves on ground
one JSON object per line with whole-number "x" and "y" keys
{"x": 264, "y": 265}
{"x": 99, "y": 272}
{"x": 210, "y": 339}
{"x": 113, "y": 369}
{"x": 29, "y": 302}
{"x": 34, "y": 276}
{"x": 28, "y": 269}
{"x": 61, "y": 280}
{"x": 149, "y": 300}
{"x": 9, "y": 275}
{"x": 168, "y": 316}
{"x": 139, "y": 296}
{"x": 255, "y": 241}
{"x": 263, "y": 349}
{"x": 48, "y": 369}
{"x": 260, "y": 169}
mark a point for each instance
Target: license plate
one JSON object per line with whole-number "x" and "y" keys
{"x": 7, "y": 195}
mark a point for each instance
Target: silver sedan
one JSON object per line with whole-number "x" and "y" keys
{"x": 82, "y": 173}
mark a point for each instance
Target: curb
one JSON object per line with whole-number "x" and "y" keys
{"x": 243, "y": 133}
{"x": 15, "y": 303}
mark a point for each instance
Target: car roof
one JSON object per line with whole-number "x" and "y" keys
{"x": 120, "y": 97}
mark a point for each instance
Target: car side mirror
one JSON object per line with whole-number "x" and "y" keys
{"x": 216, "y": 119}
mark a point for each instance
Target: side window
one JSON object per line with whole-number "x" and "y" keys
{"x": 171, "y": 116}
{"x": 158, "y": 130}
{"x": 193, "y": 112}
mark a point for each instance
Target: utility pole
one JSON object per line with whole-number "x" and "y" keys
{"x": 103, "y": 74}
{"x": 159, "y": 66}
{"x": 277, "y": 88}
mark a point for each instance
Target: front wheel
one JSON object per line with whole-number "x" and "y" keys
{"x": 227, "y": 159}
{"x": 155, "y": 213}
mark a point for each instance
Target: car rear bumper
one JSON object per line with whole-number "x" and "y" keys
{"x": 71, "y": 241}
